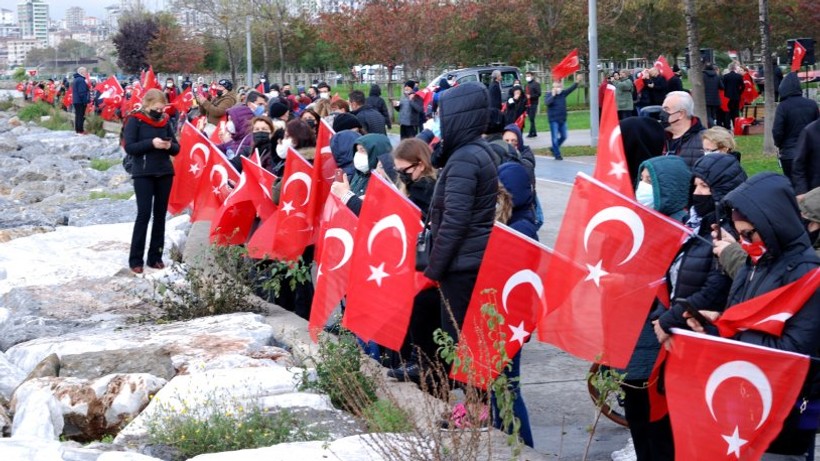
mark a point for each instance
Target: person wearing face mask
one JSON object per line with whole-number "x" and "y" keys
{"x": 767, "y": 219}
{"x": 264, "y": 85}
{"x": 312, "y": 119}
{"x": 410, "y": 107}
{"x": 148, "y": 137}
{"x": 261, "y": 134}
{"x": 367, "y": 150}
{"x": 238, "y": 128}
{"x": 171, "y": 93}
{"x": 533, "y": 95}
{"x": 323, "y": 90}
{"x": 216, "y": 109}
{"x": 683, "y": 129}
{"x": 719, "y": 140}
{"x": 664, "y": 187}
{"x": 556, "y": 102}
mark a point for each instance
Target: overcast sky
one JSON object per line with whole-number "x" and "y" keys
{"x": 93, "y": 8}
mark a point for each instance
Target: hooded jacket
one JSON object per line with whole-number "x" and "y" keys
{"x": 767, "y": 200}
{"x": 375, "y": 100}
{"x": 241, "y": 116}
{"x": 793, "y": 113}
{"x": 463, "y": 209}
{"x": 341, "y": 146}
{"x": 810, "y": 208}
{"x": 711, "y": 87}
{"x": 372, "y": 121}
{"x": 527, "y": 157}
{"x": 806, "y": 166}
{"x": 699, "y": 279}
{"x": 643, "y": 138}
{"x": 375, "y": 145}
{"x": 80, "y": 94}
{"x": 516, "y": 180}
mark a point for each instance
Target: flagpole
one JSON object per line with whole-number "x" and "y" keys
{"x": 593, "y": 72}
{"x": 248, "y": 76}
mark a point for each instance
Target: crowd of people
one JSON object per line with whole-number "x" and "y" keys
{"x": 463, "y": 162}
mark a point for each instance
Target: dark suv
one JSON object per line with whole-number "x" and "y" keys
{"x": 509, "y": 74}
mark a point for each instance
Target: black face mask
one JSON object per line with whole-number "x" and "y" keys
{"x": 219, "y": 93}
{"x": 311, "y": 123}
{"x": 704, "y": 204}
{"x": 155, "y": 114}
{"x": 260, "y": 138}
{"x": 814, "y": 236}
{"x": 406, "y": 178}
{"x": 664, "y": 118}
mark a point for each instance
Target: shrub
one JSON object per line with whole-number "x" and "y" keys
{"x": 94, "y": 125}
{"x": 34, "y": 111}
{"x": 57, "y": 122}
{"x": 94, "y": 195}
{"x": 385, "y": 416}
{"x": 103, "y": 164}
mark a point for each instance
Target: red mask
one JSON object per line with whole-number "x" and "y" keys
{"x": 756, "y": 250}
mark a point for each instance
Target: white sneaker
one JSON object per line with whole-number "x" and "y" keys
{"x": 627, "y": 453}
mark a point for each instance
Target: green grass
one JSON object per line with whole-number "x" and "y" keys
{"x": 6, "y": 104}
{"x": 94, "y": 195}
{"x": 102, "y": 164}
{"x": 33, "y": 112}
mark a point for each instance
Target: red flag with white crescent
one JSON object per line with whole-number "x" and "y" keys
{"x": 189, "y": 165}
{"x": 663, "y": 67}
{"x": 184, "y": 101}
{"x": 234, "y": 220}
{"x": 750, "y": 92}
{"x": 611, "y": 168}
{"x": 798, "y": 53}
{"x": 149, "y": 80}
{"x": 568, "y": 65}
{"x": 728, "y": 400}
{"x": 324, "y": 172}
{"x": 212, "y": 189}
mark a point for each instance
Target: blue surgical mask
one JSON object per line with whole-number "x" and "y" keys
{"x": 436, "y": 127}
{"x": 259, "y": 111}
{"x": 645, "y": 195}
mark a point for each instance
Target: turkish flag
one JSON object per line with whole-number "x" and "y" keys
{"x": 148, "y": 79}
{"x": 38, "y": 94}
{"x": 663, "y": 67}
{"x": 611, "y": 167}
{"x": 286, "y": 233}
{"x": 383, "y": 268}
{"x": 194, "y": 156}
{"x": 214, "y": 137}
{"x": 639, "y": 82}
{"x": 184, "y": 102}
{"x": 626, "y": 249}
{"x": 770, "y": 311}
{"x": 512, "y": 278}
{"x": 728, "y": 400}
{"x": 260, "y": 88}
{"x": 68, "y": 100}
{"x": 798, "y": 53}
{"x": 567, "y": 65}
{"x": 135, "y": 101}
{"x": 234, "y": 220}
{"x": 262, "y": 181}
{"x": 750, "y": 92}
{"x": 324, "y": 172}
{"x": 212, "y": 189}
{"x": 334, "y": 249}
{"x": 724, "y": 101}
{"x": 111, "y": 94}
{"x": 20, "y": 87}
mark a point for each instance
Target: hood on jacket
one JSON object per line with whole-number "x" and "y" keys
{"x": 790, "y": 86}
{"x": 375, "y": 90}
{"x": 514, "y": 128}
{"x": 463, "y": 114}
{"x": 721, "y": 172}
{"x": 810, "y": 205}
{"x": 643, "y": 138}
{"x": 671, "y": 178}
{"x": 768, "y": 202}
{"x": 241, "y": 116}
{"x": 516, "y": 180}
{"x": 341, "y": 146}
{"x": 76, "y": 75}
{"x": 710, "y": 73}
{"x": 375, "y": 144}
{"x": 443, "y": 84}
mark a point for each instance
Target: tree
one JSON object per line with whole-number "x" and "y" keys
{"x": 276, "y": 13}
{"x": 172, "y": 50}
{"x": 226, "y": 22}
{"x": 696, "y": 69}
{"x": 768, "y": 75}
{"x": 136, "y": 31}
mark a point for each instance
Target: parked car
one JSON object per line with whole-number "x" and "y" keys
{"x": 509, "y": 75}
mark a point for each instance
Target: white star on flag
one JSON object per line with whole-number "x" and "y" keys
{"x": 519, "y": 333}
{"x": 618, "y": 170}
{"x": 319, "y": 272}
{"x": 377, "y": 274}
{"x": 595, "y": 273}
{"x": 195, "y": 169}
{"x": 215, "y": 190}
{"x": 287, "y": 207}
{"x": 735, "y": 442}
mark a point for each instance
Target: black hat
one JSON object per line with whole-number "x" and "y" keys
{"x": 226, "y": 83}
{"x": 277, "y": 109}
{"x": 345, "y": 121}
{"x": 410, "y": 84}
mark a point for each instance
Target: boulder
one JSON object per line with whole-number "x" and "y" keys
{"x": 354, "y": 448}
{"x": 26, "y": 449}
{"x": 91, "y": 365}
{"x": 37, "y": 414}
{"x": 10, "y": 377}
{"x": 15, "y": 121}
{"x": 49, "y": 367}
{"x": 92, "y": 409}
{"x": 36, "y": 190}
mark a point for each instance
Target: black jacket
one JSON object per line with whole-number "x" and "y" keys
{"x": 689, "y": 146}
{"x": 793, "y": 113}
{"x": 674, "y": 84}
{"x": 533, "y": 92}
{"x": 80, "y": 93}
{"x": 733, "y": 86}
{"x": 806, "y": 166}
{"x": 495, "y": 95}
{"x": 463, "y": 209}
{"x": 138, "y": 135}
{"x": 421, "y": 194}
{"x": 658, "y": 91}
{"x": 711, "y": 87}
{"x": 375, "y": 101}
{"x": 372, "y": 120}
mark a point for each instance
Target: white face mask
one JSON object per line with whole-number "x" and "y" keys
{"x": 282, "y": 148}
{"x": 230, "y": 127}
{"x": 274, "y": 94}
{"x": 529, "y": 79}
{"x": 324, "y": 95}
{"x": 361, "y": 162}
{"x": 645, "y": 195}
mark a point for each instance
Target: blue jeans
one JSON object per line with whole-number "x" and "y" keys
{"x": 519, "y": 408}
{"x": 558, "y": 131}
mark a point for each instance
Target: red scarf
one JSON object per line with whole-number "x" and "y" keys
{"x": 150, "y": 121}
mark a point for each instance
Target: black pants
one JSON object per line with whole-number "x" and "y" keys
{"x": 622, "y": 114}
{"x": 734, "y": 111}
{"x": 786, "y": 166}
{"x": 79, "y": 117}
{"x": 408, "y": 131}
{"x": 653, "y": 440}
{"x": 712, "y": 115}
{"x": 424, "y": 320}
{"x": 152, "y": 199}
{"x": 532, "y": 111}
{"x": 456, "y": 290}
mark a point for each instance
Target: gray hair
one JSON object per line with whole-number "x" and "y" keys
{"x": 496, "y": 74}
{"x": 81, "y": 70}
{"x": 684, "y": 102}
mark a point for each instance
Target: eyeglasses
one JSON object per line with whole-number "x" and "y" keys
{"x": 747, "y": 234}
{"x": 409, "y": 169}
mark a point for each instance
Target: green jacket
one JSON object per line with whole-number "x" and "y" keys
{"x": 623, "y": 94}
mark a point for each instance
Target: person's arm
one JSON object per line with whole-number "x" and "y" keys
{"x": 570, "y": 89}
{"x": 133, "y": 145}
{"x": 218, "y": 109}
{"x": 174, "y": 149}
{"x": 779, "y": 127}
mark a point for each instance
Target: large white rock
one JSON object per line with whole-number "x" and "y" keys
{"x": 29, "y": 449}
{"x": 10, "y": 377}
{"x": 199, "y": 395}
{"x": 37, "y": 416}
{"x": 125, "y": 456}
{"x": 200, "y": 339}
{"x": 90, "y": 409}
{"x": 353, "y": 448}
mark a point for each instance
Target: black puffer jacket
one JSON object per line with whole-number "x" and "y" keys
{"x": 372, "y": 121}
{"x": 699, "y": 280}
{"x": 793, "y": 113}
{"x": 806, "y": 166}
{"x": 767, "y": 200}
{"x": 376, "y": 101}
{"x": 138, "y": 135}
{"x": 689, "y": 147}
{"x": 711, "y": 87}
{"x": 463, "y": 209}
